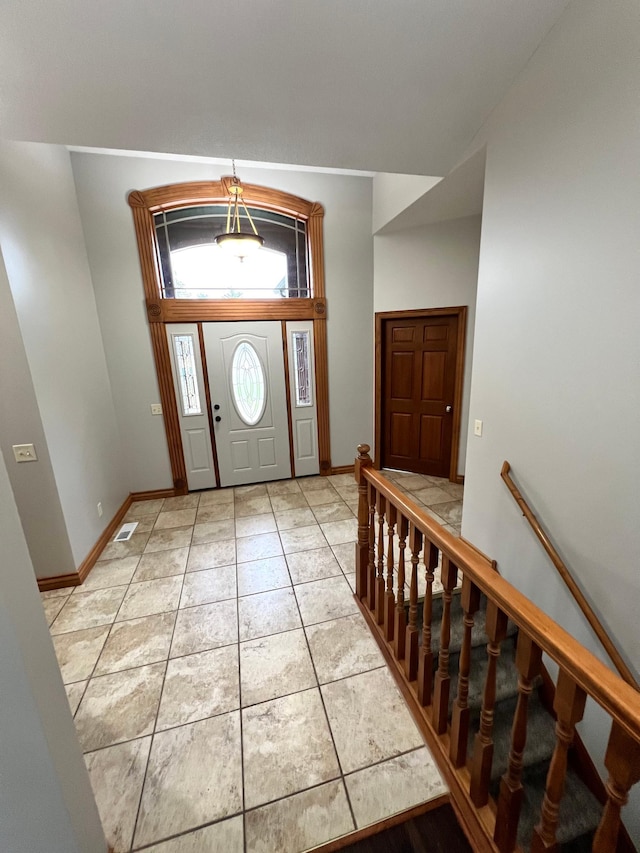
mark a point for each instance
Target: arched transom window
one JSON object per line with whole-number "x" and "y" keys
{"x": 193, "y": 266}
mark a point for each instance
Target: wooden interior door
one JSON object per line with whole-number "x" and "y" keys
{"x": 418, "y": 393}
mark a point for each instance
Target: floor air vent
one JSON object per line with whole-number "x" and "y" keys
{"x": 126, "y": 531}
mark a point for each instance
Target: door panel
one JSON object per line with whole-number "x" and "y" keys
{"x": 400, "y": 438}
{"x": 419, "y": 369}
{"x": 401, "y": 375}
{"x": 433, "y": 375}
{"x": 403, "y": 335}
{"x": 266, "y": 452}
{"x": 199, "y": 447}
{"x": 186, "y": 365}
{"x": 248, "y": 452}
{"x": 430, "y": 437}
{"x": 305, "y": 430}
{"x": 302, "y": 385}
{"x": 240, "y": 455}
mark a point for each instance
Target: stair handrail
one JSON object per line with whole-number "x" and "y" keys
{"x": 597, "y": 626}
{"x": 580, "y": 673}
{"x": 611, "y": 692}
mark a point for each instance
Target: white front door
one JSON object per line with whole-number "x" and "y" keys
{"x": 247, "y": 387}
{"x": 186, "y": 363}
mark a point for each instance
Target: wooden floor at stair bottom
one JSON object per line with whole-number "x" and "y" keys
{"x": 436, "y": 831}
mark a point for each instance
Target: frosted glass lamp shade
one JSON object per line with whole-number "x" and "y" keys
{"x": 239, "y": 244}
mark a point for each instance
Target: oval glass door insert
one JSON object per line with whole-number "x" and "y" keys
{"x": 248, "y": 384}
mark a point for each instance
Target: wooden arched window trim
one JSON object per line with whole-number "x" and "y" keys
{"x": 160, "y": 311}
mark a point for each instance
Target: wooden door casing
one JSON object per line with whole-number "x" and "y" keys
{"x": 144, "y": 204}
{"x": 419, "y": 360}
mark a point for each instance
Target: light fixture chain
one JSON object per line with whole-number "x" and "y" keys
{"x": 234, "y": 239}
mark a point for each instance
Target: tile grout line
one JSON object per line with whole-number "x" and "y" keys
{"x": 326, "y": 716}
{"x": 106, "y": 640}
{"x": 242, "y": 774}
{"x": 155, "y": 722}
{"x": 92, "y": 676}
{"x": 240, "y": 707}
{"x": 110, "y": 624}
{"x": 212, "y": 648}
{"x": 341, "y": 777}
{"x": 190, "y": 607}
{"x": 132, "y": 582}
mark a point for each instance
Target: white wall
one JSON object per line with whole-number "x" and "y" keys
{"x": 46, "y": 804}
{"x": 46, "y": 263}
{"x": 434, "y": 266}
{"x": 33, "y": 483}
{"x": 394, "y": 193}
{"x": 103, "y": 182}
{"x": 557, "y": 350}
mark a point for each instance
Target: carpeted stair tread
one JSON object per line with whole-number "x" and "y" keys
{"x": 506, "y": 675}
{"x": 478, "y": 635}
{"x": 580, "y": 812}
{"x": 541, "y": 737}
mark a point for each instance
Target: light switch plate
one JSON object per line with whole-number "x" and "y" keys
{"x": 156, "y": 408}
{"x": 477, "y": 428}
{"x": 25, "y": 453}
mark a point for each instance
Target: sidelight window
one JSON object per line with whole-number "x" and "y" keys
{"x": 302, "y": 367}
{"x": 186, "y": 369}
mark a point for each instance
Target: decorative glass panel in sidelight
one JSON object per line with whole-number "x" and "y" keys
{"x": 187, "y": 377}
{"x": 302, "y": 366}
{"x": 248, "y": 384}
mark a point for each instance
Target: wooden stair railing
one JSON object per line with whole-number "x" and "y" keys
{"x": 565, "y": 574}
{"x": 491, "y": 827}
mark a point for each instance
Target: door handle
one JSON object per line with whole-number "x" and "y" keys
{"x": 218, "y": 419}
{"x": 448, "y": 409}
{"x": 216, "y": 407}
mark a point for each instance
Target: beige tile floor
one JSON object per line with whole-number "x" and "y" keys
{"x": 226, "y": 690}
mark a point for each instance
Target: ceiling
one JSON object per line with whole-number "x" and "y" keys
{"x": 380, "y": 85}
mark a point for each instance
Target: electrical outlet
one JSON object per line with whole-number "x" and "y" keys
{"x": 477, "y": 428}
{"x": 25, "y": 453}
{"x": 99, "y": 509}
{"x": 156, "y": 408}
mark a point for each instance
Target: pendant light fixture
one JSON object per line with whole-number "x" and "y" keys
{"x": 235, "y": 241}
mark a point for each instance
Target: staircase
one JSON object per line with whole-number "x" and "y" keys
{"x": 580, "y": 811}
{"x": 466, "y": 649}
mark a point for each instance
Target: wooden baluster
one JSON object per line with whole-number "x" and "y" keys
{"x": 381, "y": 506}
{"x": 425, "y": 657}
{"x": 371, "y": 565}
{"x": 460, "y": 718}
{"x": 400, "y": 628}
{"x": 528, "y": 662}
{"x": 622, "y": 760}
{"x": 390, "y": 599}
{"x": 569, "y": 705}
{"x": 362, "y": 546}
{"x": 448, "y": 576}
{"x": 496, "y": 628}
{"x": 411, "y": 636}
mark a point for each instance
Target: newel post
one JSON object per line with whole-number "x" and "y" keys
{"x": 363, "y": 461}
